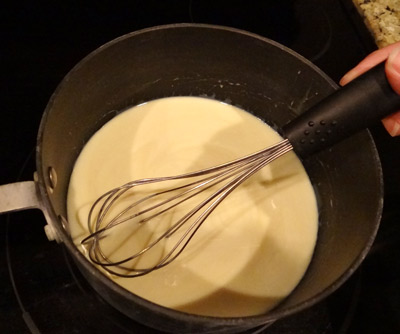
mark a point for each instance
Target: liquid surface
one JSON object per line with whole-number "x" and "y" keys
{"x": 251, "y": 252}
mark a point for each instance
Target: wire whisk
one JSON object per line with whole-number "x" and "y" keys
{"x": 227, "y": 177}
{"x": 354, "y": 107}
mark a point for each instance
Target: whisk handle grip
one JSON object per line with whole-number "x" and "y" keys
{"x": 352, "y": 108}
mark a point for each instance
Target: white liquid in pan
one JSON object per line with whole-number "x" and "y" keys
{"x": 253, "y": 249}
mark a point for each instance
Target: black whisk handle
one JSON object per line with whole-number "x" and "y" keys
{"x": 355, "y": 107}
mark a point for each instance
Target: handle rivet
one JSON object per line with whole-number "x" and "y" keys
{"x": 52, "y": 177}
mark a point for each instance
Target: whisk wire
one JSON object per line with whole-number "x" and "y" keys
{"x": 234, "y": 173}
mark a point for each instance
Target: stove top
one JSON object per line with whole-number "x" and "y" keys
{"x": 41, "y": 289}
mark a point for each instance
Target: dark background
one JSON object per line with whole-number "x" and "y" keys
{"x": 40, "y": 290}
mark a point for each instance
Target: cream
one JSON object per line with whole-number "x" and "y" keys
{"x": 251, "y": 252}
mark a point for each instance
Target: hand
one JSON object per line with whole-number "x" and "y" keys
{"x": 392, "y": 68}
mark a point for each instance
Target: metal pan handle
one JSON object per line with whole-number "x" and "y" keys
{"x": 24, "y": 195}
{"x": 19, "y": 196}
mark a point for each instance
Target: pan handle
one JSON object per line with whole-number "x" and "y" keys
{"x": 19, "y": 196}
{"x": 23, "y": 196}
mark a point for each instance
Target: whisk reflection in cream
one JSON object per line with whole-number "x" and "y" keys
{"x": 155, "y": 205}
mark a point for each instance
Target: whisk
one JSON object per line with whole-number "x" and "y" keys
{"x": 352, "y": 108}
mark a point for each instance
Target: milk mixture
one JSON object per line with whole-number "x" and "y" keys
{"x": 251, "y": 252}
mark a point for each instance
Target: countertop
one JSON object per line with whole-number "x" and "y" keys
{"x": 382, "y": 17}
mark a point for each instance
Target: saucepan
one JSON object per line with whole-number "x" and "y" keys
{"x": 246, "y": 70}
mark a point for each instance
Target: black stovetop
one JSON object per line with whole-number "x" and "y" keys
{"x": 41, "y": 291}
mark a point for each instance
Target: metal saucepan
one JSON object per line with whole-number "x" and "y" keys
{"x": 249, "y": 71}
